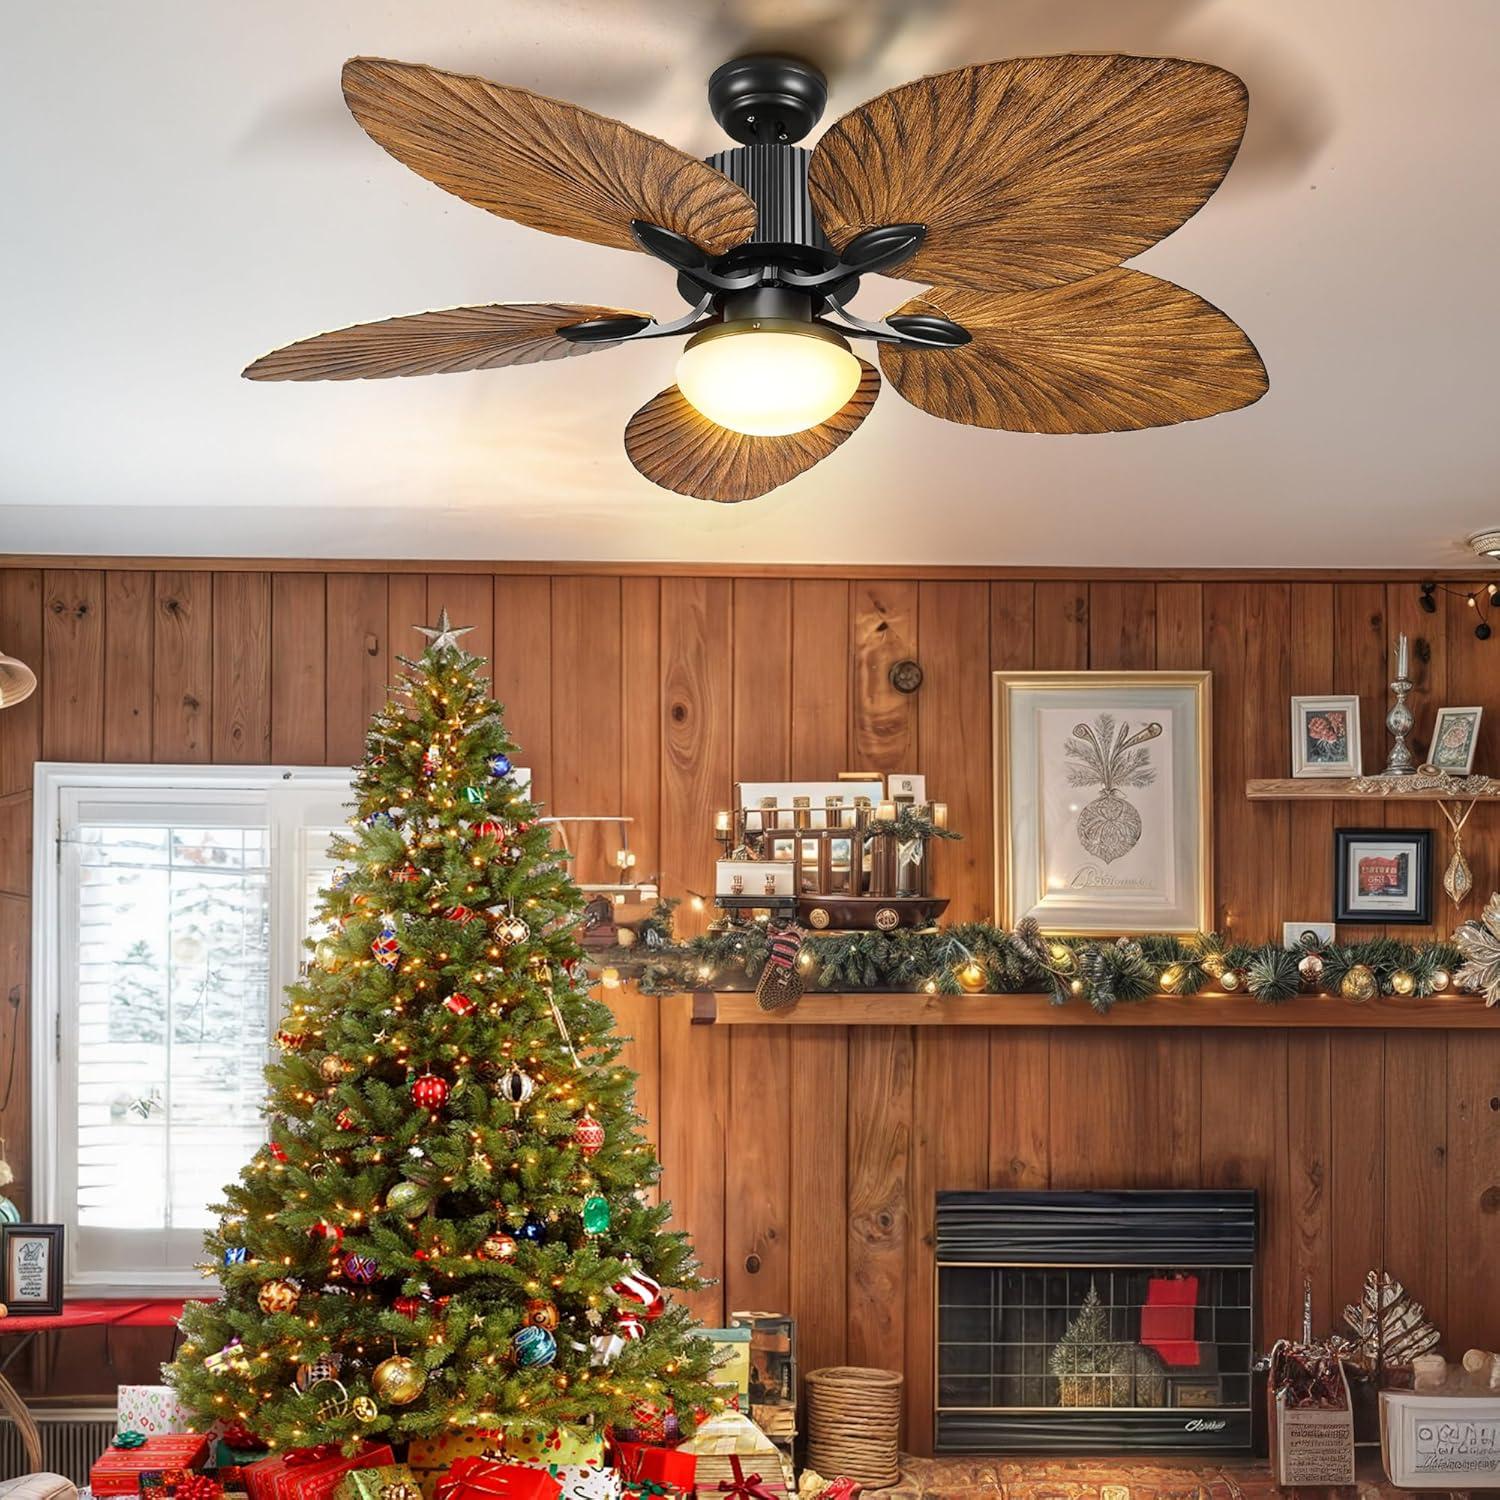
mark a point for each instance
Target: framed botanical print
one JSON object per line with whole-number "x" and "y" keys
{"x": 1325, "y": 735}
{"x": 1102, "y": 787}
{"x": 1454, "y": 736}
{"x": 1382, "y": 875}
{"x": 32, "y": 1255}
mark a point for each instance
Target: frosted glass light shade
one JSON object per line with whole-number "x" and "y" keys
{"x": 768, "y": 377}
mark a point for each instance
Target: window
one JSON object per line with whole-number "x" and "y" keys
{"x": 171, "y": 908}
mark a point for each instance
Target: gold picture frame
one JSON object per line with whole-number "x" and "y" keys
{"x": 1108, "y": 867}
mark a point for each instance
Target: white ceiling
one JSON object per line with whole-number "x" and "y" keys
{"x": 183, "y": 189}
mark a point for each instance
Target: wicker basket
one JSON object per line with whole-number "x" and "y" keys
{"x": 854, "y": 1424}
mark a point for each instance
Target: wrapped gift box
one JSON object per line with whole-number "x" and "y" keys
{"x": 430, "y": 1458}
{"x": 229, "y": 1464}
{"x": 118, "y": 1470}
{"x": 732, "y": 1435}
{"x": 568, "y": 1446}
{"x": 492, "y": 1479}
{"x": 639, "y": 1463}
{"x": 152, "y": 1409}
{"x": 585, "y": 1481}
{"x": 395, "y": 1482}
{"x": 311, "y": 1473}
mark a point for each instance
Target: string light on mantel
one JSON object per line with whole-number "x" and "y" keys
{"x": 1477, "y": 599}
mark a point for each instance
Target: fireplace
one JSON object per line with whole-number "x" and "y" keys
{"x": 1094, "y": 1322}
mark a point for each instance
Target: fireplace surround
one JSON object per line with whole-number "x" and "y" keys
{"x": 1094, "y": 1322}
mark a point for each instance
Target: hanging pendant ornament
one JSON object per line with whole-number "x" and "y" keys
{"x": 588, "y": 1135}
{"x": 429, "y": 1092}
{"x": 780, "y": 984}
{"x": 562, "y": 1027}
{"x": 463, "y": 915}
{"x": 516, "y": 1088}
{"x": 279, "y": 1296}
{"x": 533, "y": 1347}
{"x": 644, "y": 1291}
{"x": 1359, "y": 983}
{"x": 542, "y": 1314}
{"x": 510, "y": 930}
{"x": 324, "y": 1367}
{"x": 595, "y": 1214}
{"x": 398, "y": 1381}
{"x": 276, "y": 1151}
{"x": 473, "y": 794}
{"x": 361, "y": 1268}
{"x": 488, "y": 828}
{"x": 364, "y": 1409}
{"x": 498, "y": 1246}
{"x": 459, "y": 1003}
{"x": 499, "y": 765}
{"x": 533, "y": 1230}
{"x": 432, "y": 758}
{"x": 630, "y": 1327}
{"x": 386, "y": 949}
{"x": 1458, "y": 878}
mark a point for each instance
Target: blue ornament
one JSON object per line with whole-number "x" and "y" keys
{"x": 236, "y": 1255}
{"x": 534, "y": 1346}
{"x": 533, "y": 1230}
{"x": 499, "y": 765}
{"x": 382, "y": 819}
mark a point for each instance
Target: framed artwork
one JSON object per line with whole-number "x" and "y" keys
{"x": 1102, "y": 813}
{"x": 903, "y": 786}
{"x": 33, "y": 1257}
{"x": 1382, "y": 875}
{"x": 1325, "y": 736}
{"x": 1453, "y": 739}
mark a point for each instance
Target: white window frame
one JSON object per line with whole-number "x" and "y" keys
{"x": 291, "y": 798}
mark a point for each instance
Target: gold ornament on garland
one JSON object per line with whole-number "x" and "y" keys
{"x": 1214, "y": 965}
{"x": 1171, "y": 977}
{"x": 1440, "y": 981}
{"x": 1310, "y": 967}
{"x": 398, "y": 1381}
{"x": 970, "y": 977}
{"x": 1359, "y": 983}
{"x": 1403, "y": 983}
{"x": 1231, "y": 979}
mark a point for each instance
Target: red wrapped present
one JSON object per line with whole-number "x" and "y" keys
{"x": 493, "y": 1479}
{"x": 642, "y": 1465}
{"x": 179, "y": 1484}
{"x": 1168, "y": 1317}
{"x": 310, "y": 1473}
{"x": 119, "y": 1469}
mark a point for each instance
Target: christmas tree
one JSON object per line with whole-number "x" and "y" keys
{"x": 446, "y": 1225}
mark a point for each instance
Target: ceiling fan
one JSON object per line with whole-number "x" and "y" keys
{"x": 1015, "y": 188}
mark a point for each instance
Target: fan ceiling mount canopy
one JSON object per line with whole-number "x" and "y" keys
{"x": 1015, "y": 189}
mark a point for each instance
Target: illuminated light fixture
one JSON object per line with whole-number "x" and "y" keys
{"x": 767, "y": 376}
{"x": 1485, "y": 543}
{"x": 17, "y": 681}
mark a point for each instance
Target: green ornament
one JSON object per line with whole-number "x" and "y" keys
{"x": 407, "y": 1199}
{"x": 595, "y": 1214}
{"x": 473, "y": 794}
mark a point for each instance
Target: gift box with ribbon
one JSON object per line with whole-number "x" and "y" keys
{"x": 396, "y": 1482}
{"x": 311, "y": 1473}
{"x": 230, "y": 1463}
{"x": 152, "y": 1409}
{"x": 430, "y": 1458}
{"x": 178, "y": 1484}
{"x": 492, "y": 1479}
{"x": 585, "y": 1481}
{"x": 649, "y": 1471}
{"x": 568, "y": 1446}
{"x": 743, "y": 1486}
{"x": 120, "y": 1466}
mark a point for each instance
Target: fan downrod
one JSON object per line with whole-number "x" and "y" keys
{"x": 767, "y": 100}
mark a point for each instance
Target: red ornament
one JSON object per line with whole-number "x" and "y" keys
{"x": 630, "y": 1327}
{"x": 323, "y": 1230}
{"x": 408, "y": 1307}
{"x": 406, "y": 874}
{"x": 429, "y": 1091}
{"x": 497, "y": 1246}
{"x": 489, "y": 829}
{"x": 291, "y": 1041}
{"x": 278, "y": 1152}
{"x": 361, "y": 1268}
{"x": 343, "y": 1120}
{"x": 459, "y": 1003}
{"x": 649, "y": 1421}
{"x": 461, "y": 914}
{"x": 588, "y": 1135}
{"x": 637, "y": 1287}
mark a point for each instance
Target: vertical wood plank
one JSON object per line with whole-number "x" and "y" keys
{"x": 821, "y": 715}
{"x": 1356, "y": 1160}
{"x": 1179, "y": 626}
{"x": 694, "y": 1137}
{"x": 1264, "y": 697}
{"x": 1416, "y": 1166}
{"x": 1473, "y": 1189}
{"x": 242, "y": 668}
{"x": 1471, "y": 665}
{"x": 22, "y": 609}
{"x": 1309, "y": 1153}
{"x": 182, "y": 697}
{"x": 1122, "y": 626}
{"x": 522, "y": 672}
{"x": 882, "y": 631}
{"x": 763, "y": 686}
{"x": 129, "y": 624}
{"x": 359, "y": 664}
{"x": 406, "y": 607}
{"x": 1224, "y": 626}
{"x": 1012, "y": 620}
{"x": 954, "y": 741}
{"x": 1309, "y": 881}
{"x": 299, "y": 669}
{"x": 1060, "y": 631}
{"x": 881, "y": 1076}
{"x": 951, "y": 1138}
{"x": 1020, "y": 1150}
{"x": 72, "y": 666}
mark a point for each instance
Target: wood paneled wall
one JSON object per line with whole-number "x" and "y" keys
{"x": 805, "y": 1162}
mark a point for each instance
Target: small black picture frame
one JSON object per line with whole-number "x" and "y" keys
{"x": 1382, "y": 875}
{"x": 31, "y": 1284}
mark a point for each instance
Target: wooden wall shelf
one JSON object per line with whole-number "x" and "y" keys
{"x": 1318, "y": 789}
{"x": 898, "y": 1008}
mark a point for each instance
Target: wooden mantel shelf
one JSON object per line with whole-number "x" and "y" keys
{"x": 1332, "y": 789}
{"x": 898, "y": 1008}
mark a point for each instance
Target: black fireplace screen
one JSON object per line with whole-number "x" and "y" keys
{"x": 1094, "y": 1321}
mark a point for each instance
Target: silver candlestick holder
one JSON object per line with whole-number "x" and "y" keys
{"x": 1400, "y": 762}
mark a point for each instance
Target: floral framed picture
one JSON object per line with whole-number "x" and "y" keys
{"x": 1325, "y": 735}
{"x": 1102, "y": 787}
{"x": 1454, "y": 737}
{"x": 1382, "y": 875}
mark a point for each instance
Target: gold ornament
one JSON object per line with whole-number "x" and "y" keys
{"x": 1403, "y": 983}
{"x": 331, "y": 1069}
{"x": 398, "y": 1381}
{"x": 1171, "y": 977}
{"x": 1231, "y": 979}
{"x": 1440, "y": 981}
{"x": 1310, "y": 967}
{"x": 279, "y": 1297}
{"x": 970, "y": 978}
{"x": 1213, "y": 963}
{"x": 1359, "y": 983}
{"x": 364, "y": 1409}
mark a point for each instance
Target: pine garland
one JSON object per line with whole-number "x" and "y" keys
{"x": 1100, "y": 973}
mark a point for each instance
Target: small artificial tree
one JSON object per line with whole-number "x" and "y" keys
{"x": 446, "y": 1226}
